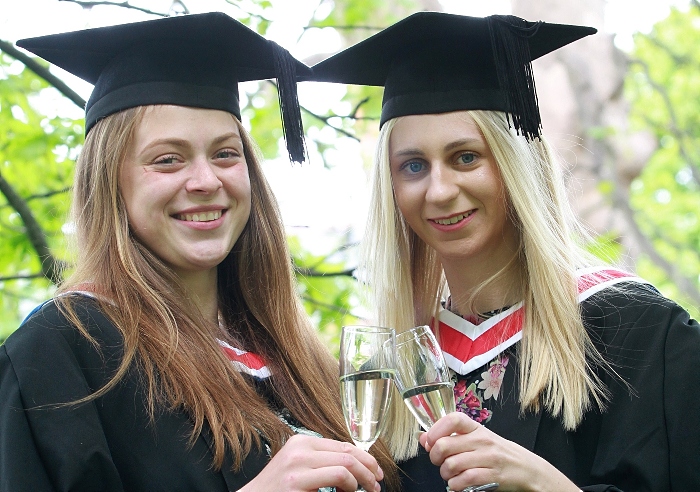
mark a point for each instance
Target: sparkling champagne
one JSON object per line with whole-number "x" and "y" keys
{"x": 365, "y": 397}
{"x": 430, "y": 402}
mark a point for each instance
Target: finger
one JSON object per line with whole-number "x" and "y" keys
{"x": 312, "y": 479}
{"x": 342, "y": 478}
{"x": 452, "y": 423}
{"x": 332, "y": 446}
{"x": 423, "y": 440}
{"x": 461, "y": 451}
{"x": 363, "y": 475}
{"x": 333, "y": 455}
{"x": 310, "y": 464}
{"x": 474, "y": 477}
{"x": 363, "y": 457}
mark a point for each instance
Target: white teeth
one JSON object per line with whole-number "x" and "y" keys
{"x": 452, "y": 220}
{"x": 200, "y": 217}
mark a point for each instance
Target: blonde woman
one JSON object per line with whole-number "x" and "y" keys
{"x": 177, "y": 355}
{"x": 569, "y": 374}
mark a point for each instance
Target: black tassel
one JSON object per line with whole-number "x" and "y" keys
{"x": 511, "y": 51}
{"x": 292, "y": 127}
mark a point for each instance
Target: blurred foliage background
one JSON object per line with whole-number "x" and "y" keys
{"x": 39, "y": 142}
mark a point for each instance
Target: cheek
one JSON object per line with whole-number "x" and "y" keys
{"x": 402, "y": 204}
{"x": 403, "y": 197}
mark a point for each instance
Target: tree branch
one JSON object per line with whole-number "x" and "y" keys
{"x": 324, "y": 119}
{"x": 22, "y": 277}
{"x": 345, "y": 28}
{"x": 312, "y": 272}
{"x": 50, "y": 266}
{"x": 126, "y": 5}
{"x": 248, "y": 12}
{"x": 674, "y": 127}
{"x": 330, "y": 307}
{"x": 43, "y": 72}
{"x": 41, "y": 196}
{"x": 684, "y": 284}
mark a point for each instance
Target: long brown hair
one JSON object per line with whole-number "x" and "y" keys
{"x": 169, "y": 340}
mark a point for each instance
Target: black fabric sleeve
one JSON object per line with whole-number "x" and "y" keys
{"x": 418, "y": 474}
{"x": 681, "y": 400}
{"x": 21, "y": 467}
{"x": 648, "y": 436}
{"x": 45, "y": 444}
{"x": 600, "y": 488}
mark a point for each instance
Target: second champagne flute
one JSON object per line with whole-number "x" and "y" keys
{"x": 423, "y": 379}
{"x": 422, "y": 376}
{"x": 367, "y": 364}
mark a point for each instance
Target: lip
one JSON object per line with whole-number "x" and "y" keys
{"x": 199, "y": 209}
{"x": 201, "y": 224}
{"x": 468, "y": 216}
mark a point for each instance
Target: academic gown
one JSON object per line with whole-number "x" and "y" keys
{"x": 107, "y": 444}
{"x": 648, "y": 439}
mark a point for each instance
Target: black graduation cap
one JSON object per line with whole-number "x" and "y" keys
{"x": 191, "y": 60}
{"x": 433, "y": 62}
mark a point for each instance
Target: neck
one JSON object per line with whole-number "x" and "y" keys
{"x": 466, "y": 278}
{"x": 202, "y": 288}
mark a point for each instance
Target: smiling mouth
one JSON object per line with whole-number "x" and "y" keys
{"x": 453, "y": 220}
{"x": 200, "y": 217}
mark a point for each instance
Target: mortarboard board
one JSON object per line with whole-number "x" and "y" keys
{"x": 433, "y": 62}
{"x": 192, "y": 60}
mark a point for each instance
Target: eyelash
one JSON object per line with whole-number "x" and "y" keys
{"x": 162, "y": 160}
{"x": 406, "y": 166}
{"x": 471, "y": 154}
{"x": 231, "y": 153}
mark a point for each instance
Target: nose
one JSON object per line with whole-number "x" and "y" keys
{"x": 442, "y": 187}
{"x": 203, "y": 178}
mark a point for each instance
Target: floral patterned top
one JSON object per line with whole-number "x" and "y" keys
{"x": 476, "y": 392}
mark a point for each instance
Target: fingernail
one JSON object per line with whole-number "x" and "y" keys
{"x": 381, "y": 472}
{"x": 377, "y": 487}
{"x": 418, "y": 434}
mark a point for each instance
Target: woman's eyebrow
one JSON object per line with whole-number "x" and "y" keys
{"x": 227, "y": 136}
{"x": 181, "y": 142}
{"x": 461, "y": 142}
{"x": 408, "y": 152}
{"x": 447, "y": 148}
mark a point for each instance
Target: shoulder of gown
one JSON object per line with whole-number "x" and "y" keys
{"x": 652, "y": 420}
{"x": 49, "y": 443}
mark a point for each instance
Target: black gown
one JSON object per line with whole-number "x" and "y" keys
{"x": 648, "y": 439}
{"x": 106, "y": 444}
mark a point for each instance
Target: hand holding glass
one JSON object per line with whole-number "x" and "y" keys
{"x": 367, "y": 363}
{"x": 423, "y": 379}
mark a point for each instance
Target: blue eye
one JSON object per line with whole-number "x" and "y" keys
{"x": 226, "y": 154}
{"x": 414, "y": 167}
{"x": 467, "y": 158}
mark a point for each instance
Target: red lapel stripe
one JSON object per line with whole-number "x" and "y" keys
{"x": 467, "y": 346}
{"x": 246, "y": 362}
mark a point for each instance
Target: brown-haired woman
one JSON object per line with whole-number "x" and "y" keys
{"x": 177, "y": 355}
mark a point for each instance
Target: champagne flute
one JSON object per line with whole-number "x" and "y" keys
{"x": 423, "y": 379}
{"x": 367, "y": 364}
{"x": 422, "y": 376}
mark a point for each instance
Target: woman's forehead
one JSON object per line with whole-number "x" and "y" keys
{"x": 434, "y": 129}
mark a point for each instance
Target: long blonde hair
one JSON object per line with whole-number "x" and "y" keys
{"x": 406, "y": 280}
{"x": 169, "y": 340}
